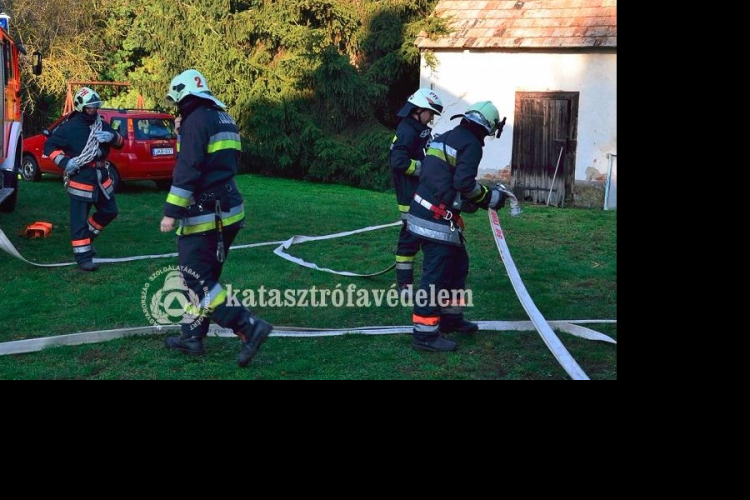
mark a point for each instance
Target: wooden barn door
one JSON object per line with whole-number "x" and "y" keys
{"x": 544, "y": 146}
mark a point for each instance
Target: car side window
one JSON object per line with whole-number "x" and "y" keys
{"x": 141, "y": 129}
{"x": 117, "y": 125}
{"x": 154, "y": 128}
{"x": 163, "y": 129}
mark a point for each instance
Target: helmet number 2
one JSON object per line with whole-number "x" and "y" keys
{"x": 198, "y": 82}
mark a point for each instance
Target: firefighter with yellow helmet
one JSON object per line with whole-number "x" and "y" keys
{"x": 447, "y": 187}
{"x": 80, "y": 147}
{"x": 205, "y": 200}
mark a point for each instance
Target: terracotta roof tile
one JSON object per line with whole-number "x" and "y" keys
{"x": 526, "y": 24}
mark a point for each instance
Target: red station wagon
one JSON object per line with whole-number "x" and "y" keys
{"x": 149, "y": 153}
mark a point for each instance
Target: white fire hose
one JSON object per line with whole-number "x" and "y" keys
{"x": 537, "y": 320}
{"x": 548, "y": 336}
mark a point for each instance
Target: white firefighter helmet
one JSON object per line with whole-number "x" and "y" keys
{"x": 483, "y": 113}
{"x": 424, "y": 99}
{"x": 191, "y": 82}
{"x": 86, "y": 97}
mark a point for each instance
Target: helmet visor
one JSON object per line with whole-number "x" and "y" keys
{"x": 479, "y": 119}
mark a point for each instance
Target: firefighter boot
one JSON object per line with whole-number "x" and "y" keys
{"x": 253, "y": 333}
{"x": 88, "y": 266}
{"x": 434, "y": 344}
{"x": 457, "y": 325}
{"x": 188, "y": 345}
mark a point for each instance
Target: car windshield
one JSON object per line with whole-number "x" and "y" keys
{"x": 154, "y": 128}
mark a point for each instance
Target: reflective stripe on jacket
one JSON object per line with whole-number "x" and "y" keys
{"x": 209, "y": 148}
{"x": 448, "y": 170}
{"x": 207, "y": 222}
{"x": 407, "y": 148}
{"x": 68, "y": 141}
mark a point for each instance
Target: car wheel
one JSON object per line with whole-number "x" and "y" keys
{"x": 30, "y": 169}
{"x": 164, "y": 185}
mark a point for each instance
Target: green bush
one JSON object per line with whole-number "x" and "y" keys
{"x": 298, "y": 149}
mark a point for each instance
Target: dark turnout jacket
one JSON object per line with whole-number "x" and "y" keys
{"x": 70, "y": 139}
{"x": 209, "y": 149}
{"x": 407, "y": 148}
{"x": 449, "y": 172}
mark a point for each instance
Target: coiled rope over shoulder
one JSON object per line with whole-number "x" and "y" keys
{"x": 91, "y": 150}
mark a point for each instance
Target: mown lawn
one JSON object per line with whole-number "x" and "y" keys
{"x": 567, "y": 259}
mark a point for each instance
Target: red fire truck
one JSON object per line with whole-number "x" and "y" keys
{"x": 11, "y": 117}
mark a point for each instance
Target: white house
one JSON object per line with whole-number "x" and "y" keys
{"x": 550, "y": 66}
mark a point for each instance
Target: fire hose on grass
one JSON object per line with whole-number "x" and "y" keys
{"x": 548, "y": 336}
{"x": 537, "y": 320}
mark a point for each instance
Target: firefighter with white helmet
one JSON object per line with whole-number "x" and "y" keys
{"x": 447, "y": 187}
{"x": 80, "y": 147}
{"x": 205, "y": 200}
{"x": 406, "y": 154}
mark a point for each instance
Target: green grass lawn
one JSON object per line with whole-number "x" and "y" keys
{"x": 567, "y": 259}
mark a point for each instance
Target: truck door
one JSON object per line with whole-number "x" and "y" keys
{"x": 5, "y": 59}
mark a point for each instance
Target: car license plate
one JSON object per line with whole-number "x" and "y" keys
{"x": 162, "y": 151}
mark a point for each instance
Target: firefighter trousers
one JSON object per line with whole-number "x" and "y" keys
{"x": 201, "y": 271}
{"x": 406, "y": 251}
{"x": 84, "y": 227}
{"x": 441, "y": 291}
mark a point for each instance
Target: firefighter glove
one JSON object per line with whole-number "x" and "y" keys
{"x": 418, "y": 170}
{"x": 469, "y": 207}
{"x": 103, "y": 136}
{"x": 72, "y": 166}
{"x": 497, "y": 198}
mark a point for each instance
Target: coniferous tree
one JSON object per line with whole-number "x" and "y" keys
{"x": 313, "y": 84}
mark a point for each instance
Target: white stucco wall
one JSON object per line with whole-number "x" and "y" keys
{"x": 463, "y": 78}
